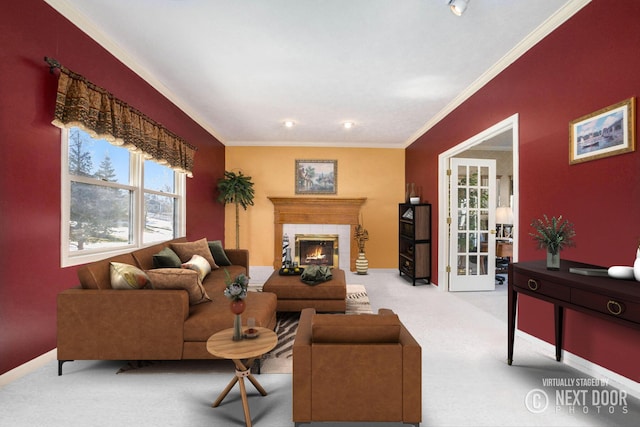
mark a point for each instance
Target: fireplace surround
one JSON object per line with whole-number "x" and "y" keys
{"x": 315, "y": 210}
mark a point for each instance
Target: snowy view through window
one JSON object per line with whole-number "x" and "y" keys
{"x": 105, "y": 184}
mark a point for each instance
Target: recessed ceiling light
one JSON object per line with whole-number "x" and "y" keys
{"x": 348, "y": 125}
{"x": 289, "y": 123}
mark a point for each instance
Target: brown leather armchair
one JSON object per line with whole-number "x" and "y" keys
{"x": 363, "y": 368}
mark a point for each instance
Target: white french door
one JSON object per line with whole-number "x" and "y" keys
{"x": 472, "y": 202}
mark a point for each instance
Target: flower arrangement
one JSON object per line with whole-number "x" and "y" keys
{"x": 553, "y": 234}
{"x": 236, "y": 288}
{"x": 361, "y": 235}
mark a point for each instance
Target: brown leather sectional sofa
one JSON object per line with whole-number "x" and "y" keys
{"x": 97, "y": 322}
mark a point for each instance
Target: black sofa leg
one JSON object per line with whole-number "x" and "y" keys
{"x": 60, "y": 362}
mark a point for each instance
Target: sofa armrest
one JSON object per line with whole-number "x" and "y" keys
{"x": 301, "y": 377}
{"x": 239, "y": 257}
{"x": 411, "y": 377}
{"x": 121, "y": 324}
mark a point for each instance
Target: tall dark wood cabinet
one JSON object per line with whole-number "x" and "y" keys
{"x": 414, "y": 228}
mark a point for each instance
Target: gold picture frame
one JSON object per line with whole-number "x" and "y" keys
{"x": 606, "y": 132}
{"x": 316, "y": 176}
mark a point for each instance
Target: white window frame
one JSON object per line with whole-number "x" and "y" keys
{"x": 136, "y": 185}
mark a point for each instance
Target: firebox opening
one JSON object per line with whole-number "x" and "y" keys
{"x": 315, "y": 249}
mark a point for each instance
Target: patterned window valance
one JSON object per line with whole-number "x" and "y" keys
{"x": 81, "y": 103}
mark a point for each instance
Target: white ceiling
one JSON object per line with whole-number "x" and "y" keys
{"x": 242, "y": 67}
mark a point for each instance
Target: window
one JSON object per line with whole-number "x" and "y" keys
{"x": 113, "y": 200}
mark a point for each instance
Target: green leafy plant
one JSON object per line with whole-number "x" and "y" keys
{"x": 236, "y": 288}
{"x": 237, "y": 189}
{"x": 553, "y": 234}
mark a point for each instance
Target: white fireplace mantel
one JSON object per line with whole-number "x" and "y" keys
{"x": 315, "y": 210}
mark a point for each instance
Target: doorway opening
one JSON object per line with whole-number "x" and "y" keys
{"x": 503, "y": 138}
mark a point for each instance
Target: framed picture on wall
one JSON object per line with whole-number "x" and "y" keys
{"x": 316, "y": 176}
{"x": 606, "y": 132}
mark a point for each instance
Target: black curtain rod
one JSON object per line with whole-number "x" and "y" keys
{"x": 53, "y": 63}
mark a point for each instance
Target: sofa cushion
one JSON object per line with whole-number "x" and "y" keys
{"x": 187, "y": 250}
{"x": 178, "y": 278}
{"x": 166, "y": 258}
{"x": 125, "y": 276}
{"x": 206, "y": 319}
{"x": 199, "y": 265}
{"x": 219, "y": 255}
{"x": 355, "y": 328}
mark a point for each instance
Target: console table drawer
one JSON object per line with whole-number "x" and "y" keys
{"x": 612, "y": 306}
{"x": 543, "y": 287}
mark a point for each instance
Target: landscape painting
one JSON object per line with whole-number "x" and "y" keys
{"x": 316, "y": 176}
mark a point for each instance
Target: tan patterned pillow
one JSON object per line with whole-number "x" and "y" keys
{"x": 178, "y": 278}
{"x": 125, "y": 276}
{"x": 187, "y": 250}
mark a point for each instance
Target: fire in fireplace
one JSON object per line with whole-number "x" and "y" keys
{"x": 317, "y": 249}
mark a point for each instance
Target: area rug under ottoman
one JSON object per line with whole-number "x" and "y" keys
{"x": 279, "y": 360}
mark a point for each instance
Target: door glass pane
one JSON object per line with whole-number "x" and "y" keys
{"x": 462, "y": 198}
{"x": 473, "y": 198}
{"x": 473, "y": 220}
{"x": 462, "y": 242}
{"x": 462, "y": 265}
{"x": 473, "y": 265}
{"x": 462, "y": 175}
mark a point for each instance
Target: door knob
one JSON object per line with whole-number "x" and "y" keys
{"x": 493, "y": 231}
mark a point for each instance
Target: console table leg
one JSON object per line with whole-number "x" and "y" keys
{"x": 512, "y": 297}
{"x": 558, "y": 314}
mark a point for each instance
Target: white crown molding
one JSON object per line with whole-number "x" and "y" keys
{"x": 81, "y": 21}
{"x": 543, "y": 30}
{"x": 316, "y": 144}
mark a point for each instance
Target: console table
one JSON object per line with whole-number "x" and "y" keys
{"x": 611, "y": 299}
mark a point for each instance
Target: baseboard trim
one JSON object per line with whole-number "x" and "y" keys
{"x": 27, "y": 368}
{"x": 583, "y": 365}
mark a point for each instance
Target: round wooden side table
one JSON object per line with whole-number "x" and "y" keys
{"x": 222, "y": 345}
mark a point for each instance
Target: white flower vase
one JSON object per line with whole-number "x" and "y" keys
{"x": 362, "y": 264}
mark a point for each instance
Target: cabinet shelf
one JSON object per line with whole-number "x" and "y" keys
{"x": 414, "y": 235}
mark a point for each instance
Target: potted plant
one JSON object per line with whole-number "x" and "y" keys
{"x": 554, "y": 235}
{"x": 361, "y": 235}
{"x": 237, "y": 189}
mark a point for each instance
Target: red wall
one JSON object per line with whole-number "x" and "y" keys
{"x": 590, "y": 62}
{"x": 30, "y": 167}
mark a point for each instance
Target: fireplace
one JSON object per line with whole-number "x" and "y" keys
{"x": 317, "y": 249}
{"x": 313, "y": 212}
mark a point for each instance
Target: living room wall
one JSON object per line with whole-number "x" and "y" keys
{"x": 590, "y": 62}
{"x": 377, "y": 174}
{"x": 30, "y": 165}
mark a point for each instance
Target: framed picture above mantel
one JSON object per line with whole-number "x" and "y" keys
{"x": 606, "y": 132}
{"x": 316, "y": 177}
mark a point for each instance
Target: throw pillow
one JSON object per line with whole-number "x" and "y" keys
{"x": 166, "y": 258}
{"x": 199, "y": 265}
{"x": 125, "y": 276}
{"x": 219, "y": 255}
{"x": 178, "y": 278}
{"x": 187, "y": 250}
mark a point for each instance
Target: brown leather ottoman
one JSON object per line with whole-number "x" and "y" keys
{"x": 295, "y": 295}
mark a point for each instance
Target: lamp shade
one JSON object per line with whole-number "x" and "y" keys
{"x": 504, "y": 215}
{"x": 458, "y": 6}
